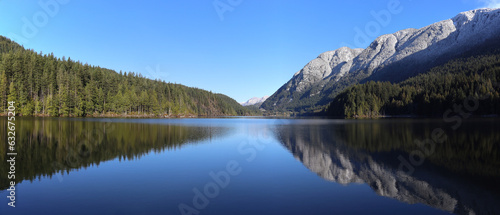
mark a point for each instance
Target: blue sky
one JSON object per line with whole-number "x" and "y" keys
{"x": 245, "y": 48}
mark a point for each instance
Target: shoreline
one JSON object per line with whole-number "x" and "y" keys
{"x": 187, "y": 116}
{"x": 109, "y": 115}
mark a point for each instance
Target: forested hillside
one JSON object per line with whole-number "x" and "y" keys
{"x": 471, "y": 82}
{"x": 42, "y": 84}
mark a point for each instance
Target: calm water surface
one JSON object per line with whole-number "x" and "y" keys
{"x": 253, "y": 166}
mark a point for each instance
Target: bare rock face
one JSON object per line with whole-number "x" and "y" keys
{"x": 332, "y": 63}
{"x": 409, "y": 47}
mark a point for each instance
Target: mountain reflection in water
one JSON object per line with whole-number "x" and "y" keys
{"x": 461, "y": 175}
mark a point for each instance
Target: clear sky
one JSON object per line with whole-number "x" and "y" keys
{"x": 244, "y": 48}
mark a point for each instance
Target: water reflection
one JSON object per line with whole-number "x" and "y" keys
{"x": 48, "y": 146}
{"x": 460, "y": 176}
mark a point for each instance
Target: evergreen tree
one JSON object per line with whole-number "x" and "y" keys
{"x": 12, "y": 96}
{"x": 3, "y": 90}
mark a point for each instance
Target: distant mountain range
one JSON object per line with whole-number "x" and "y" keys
{"x": 392, "y": 57}
{"x": 254, "y": 101}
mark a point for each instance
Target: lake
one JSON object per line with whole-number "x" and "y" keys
{"x": 253, "y": 166}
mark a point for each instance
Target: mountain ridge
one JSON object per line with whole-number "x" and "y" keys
{"x": 390, "y": 57}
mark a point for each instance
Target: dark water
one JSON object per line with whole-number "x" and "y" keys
{"x": 253, "y": 166}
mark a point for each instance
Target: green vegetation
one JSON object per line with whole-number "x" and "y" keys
{"x": 42, "y": 84}
{"x": 430, "y": 94}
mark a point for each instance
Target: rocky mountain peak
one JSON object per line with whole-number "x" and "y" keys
{"x": 392, "y": 57}
{"x": 254, "y": 101}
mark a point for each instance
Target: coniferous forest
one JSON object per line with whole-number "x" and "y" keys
{"x": 42, "y": 84}
{"x": 466, "y": 86}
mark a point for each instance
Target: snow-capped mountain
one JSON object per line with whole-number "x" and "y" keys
{"x": 254, "y": 101}
{"x": 391, "y": 57}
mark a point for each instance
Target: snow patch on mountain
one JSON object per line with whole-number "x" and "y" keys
{"x": 254, "y": 101}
